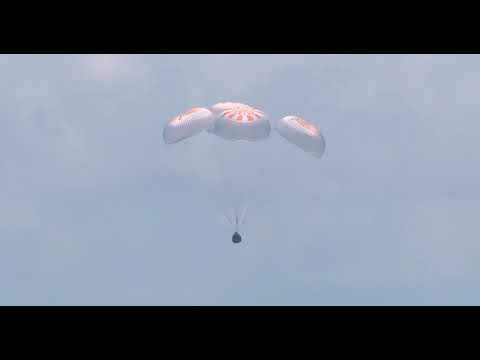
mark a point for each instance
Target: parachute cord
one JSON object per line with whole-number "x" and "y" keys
{"x": 236, "y": 221}
{"x": 235, "y": 193}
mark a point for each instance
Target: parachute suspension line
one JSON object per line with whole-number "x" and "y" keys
{"x": 229, "y": 219}
{"x": 236, "y": 221}
{"x": 239, "y": 216}
{"x": 244, "y": 215}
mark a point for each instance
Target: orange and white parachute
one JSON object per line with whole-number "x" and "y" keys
{"x": 237, "y": 121}
{"x": 302, "y": 133}
{"x": 220, "y": 107}
{"x": 187, "y": 124}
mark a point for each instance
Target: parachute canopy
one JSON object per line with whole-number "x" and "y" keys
{"x": 187, "y": 124}
{"x": 237, "y": 121}
{"x": 302, "y": 133}
{"x": 220, "y": 107}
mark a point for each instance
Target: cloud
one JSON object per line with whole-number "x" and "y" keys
{"x": 93, "y": 200}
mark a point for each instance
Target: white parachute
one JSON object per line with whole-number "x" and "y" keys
{"x": 220, "y": 107}
{"x": 302, "y": 133}
{"x": 237, "y": 121}
{"x": 240, "y": 122}
{"x": 188, "y": 124}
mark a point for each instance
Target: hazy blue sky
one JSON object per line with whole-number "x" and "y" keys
{"x": 96, "y": 210}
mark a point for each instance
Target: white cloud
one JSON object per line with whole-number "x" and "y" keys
{"x": 385, "y": 202}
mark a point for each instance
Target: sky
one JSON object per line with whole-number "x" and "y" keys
{"x": 96, "y": 210}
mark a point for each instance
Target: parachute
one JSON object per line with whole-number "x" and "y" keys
{"x": 301, "y": 133}
{"x": 218, "y": 108}
{"x": 236, "y": 121}
{"x": 240, "y": 122}
{"x": 187, "y": 125}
